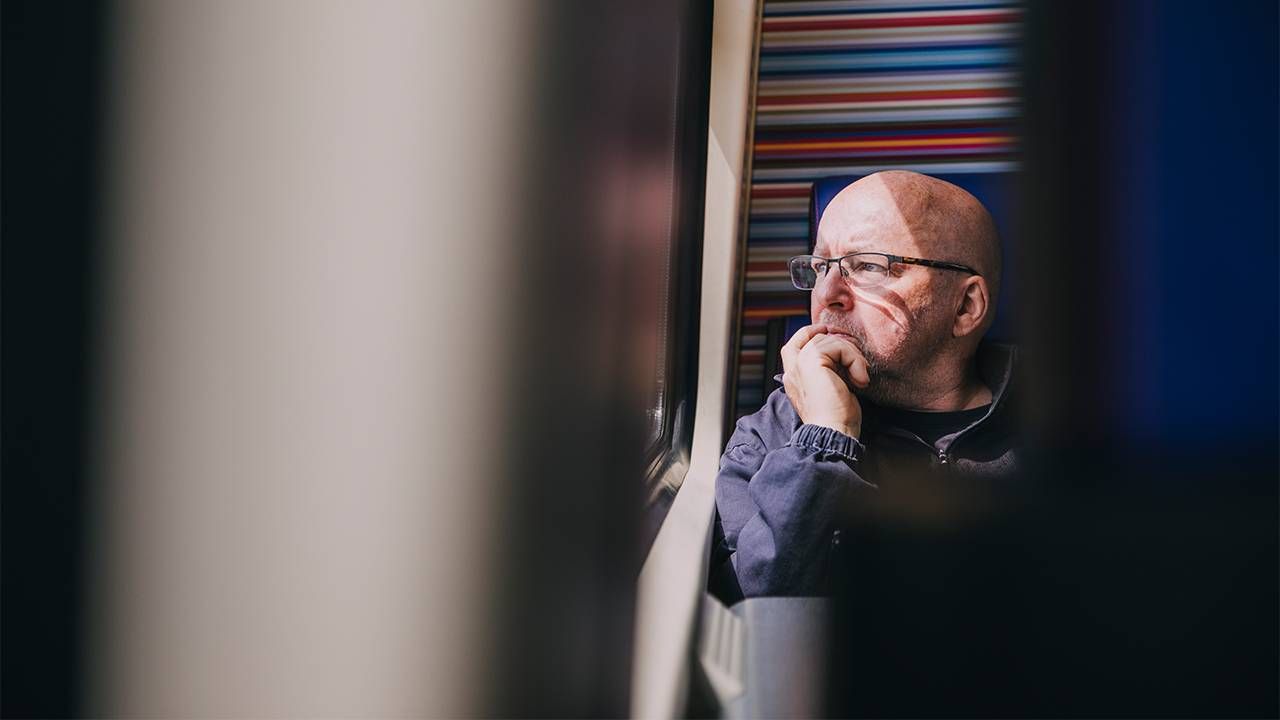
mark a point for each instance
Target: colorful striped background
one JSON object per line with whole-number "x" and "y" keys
{"x": 848, "y": 87}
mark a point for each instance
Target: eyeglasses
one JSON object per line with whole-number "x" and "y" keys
{"x": 862, "y": 269}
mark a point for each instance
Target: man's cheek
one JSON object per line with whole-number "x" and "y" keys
{"x": 885, "y": 338}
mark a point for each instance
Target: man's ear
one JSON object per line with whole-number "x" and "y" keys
{"x": 974, "y": 306}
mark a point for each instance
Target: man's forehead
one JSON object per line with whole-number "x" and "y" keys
{"x": 864, "y": 222}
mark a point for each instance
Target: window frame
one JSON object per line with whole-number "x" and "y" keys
{"x": 667, "y": 457}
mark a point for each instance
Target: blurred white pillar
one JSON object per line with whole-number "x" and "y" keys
{"x": 304, "y": 373}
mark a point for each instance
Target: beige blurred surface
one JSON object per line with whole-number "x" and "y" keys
{"x": 292, "y": 523}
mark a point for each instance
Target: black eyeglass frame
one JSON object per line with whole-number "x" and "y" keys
{"x": 891, "y": 259}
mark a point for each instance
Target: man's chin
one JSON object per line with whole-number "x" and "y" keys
{"x": 872, "y": 392}
{"x": 886, "y": 390}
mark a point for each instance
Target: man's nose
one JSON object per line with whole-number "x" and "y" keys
{"x": 833, "y": 291}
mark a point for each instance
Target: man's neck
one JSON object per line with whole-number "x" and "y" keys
{"x": 967, "y": 395}
{"x": 962, "y": 390}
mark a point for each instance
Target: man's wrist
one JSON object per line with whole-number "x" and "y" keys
{"x": 827, "y": 439}
{"x": 853, "y": 430}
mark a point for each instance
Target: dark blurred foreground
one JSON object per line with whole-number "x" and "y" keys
{"x": 1135, "y": 571}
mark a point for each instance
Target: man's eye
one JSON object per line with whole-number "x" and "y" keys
{"x": 870, "y": 267}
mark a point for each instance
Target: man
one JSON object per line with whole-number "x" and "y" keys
{"x": 890, "y": 393}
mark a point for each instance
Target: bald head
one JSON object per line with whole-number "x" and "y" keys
{"x": 942, "y": 221}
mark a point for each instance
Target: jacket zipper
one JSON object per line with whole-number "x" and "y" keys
{"x": 943, "y": 455}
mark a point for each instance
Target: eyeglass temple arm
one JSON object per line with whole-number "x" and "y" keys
{"x": 935, "y": 263}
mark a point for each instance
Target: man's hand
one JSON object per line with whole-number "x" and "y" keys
{"x": 820, "y": 371}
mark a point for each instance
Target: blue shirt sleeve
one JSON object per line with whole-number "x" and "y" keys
{"x": 778, "y": 497}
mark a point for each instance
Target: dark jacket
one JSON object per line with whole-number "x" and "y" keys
{"x": 786, "y": 490}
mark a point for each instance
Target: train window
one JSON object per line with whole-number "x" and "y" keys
{"x": 669, "y": 276}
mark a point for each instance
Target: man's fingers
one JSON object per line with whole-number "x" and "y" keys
{"x": 859, "y": 373}
{"x": 789, "y": 353}
{"x": 799, "y": 340}
{"x": 844, "y": 353}
{"x": 853, "y": 359}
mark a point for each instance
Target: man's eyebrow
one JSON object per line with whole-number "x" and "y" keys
{"x": 858, "y": 247}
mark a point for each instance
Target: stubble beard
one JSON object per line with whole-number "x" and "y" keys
{"x": 897, "y": 380}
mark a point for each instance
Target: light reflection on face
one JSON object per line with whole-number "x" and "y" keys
{"x": 898, "y": 325}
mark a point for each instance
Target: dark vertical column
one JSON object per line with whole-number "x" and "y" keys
{"x": 52, "y": 54}
{"x": 1132, "y": 571}
{"x": 600, "y": 192}
{"x": 1151, "y": 148}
